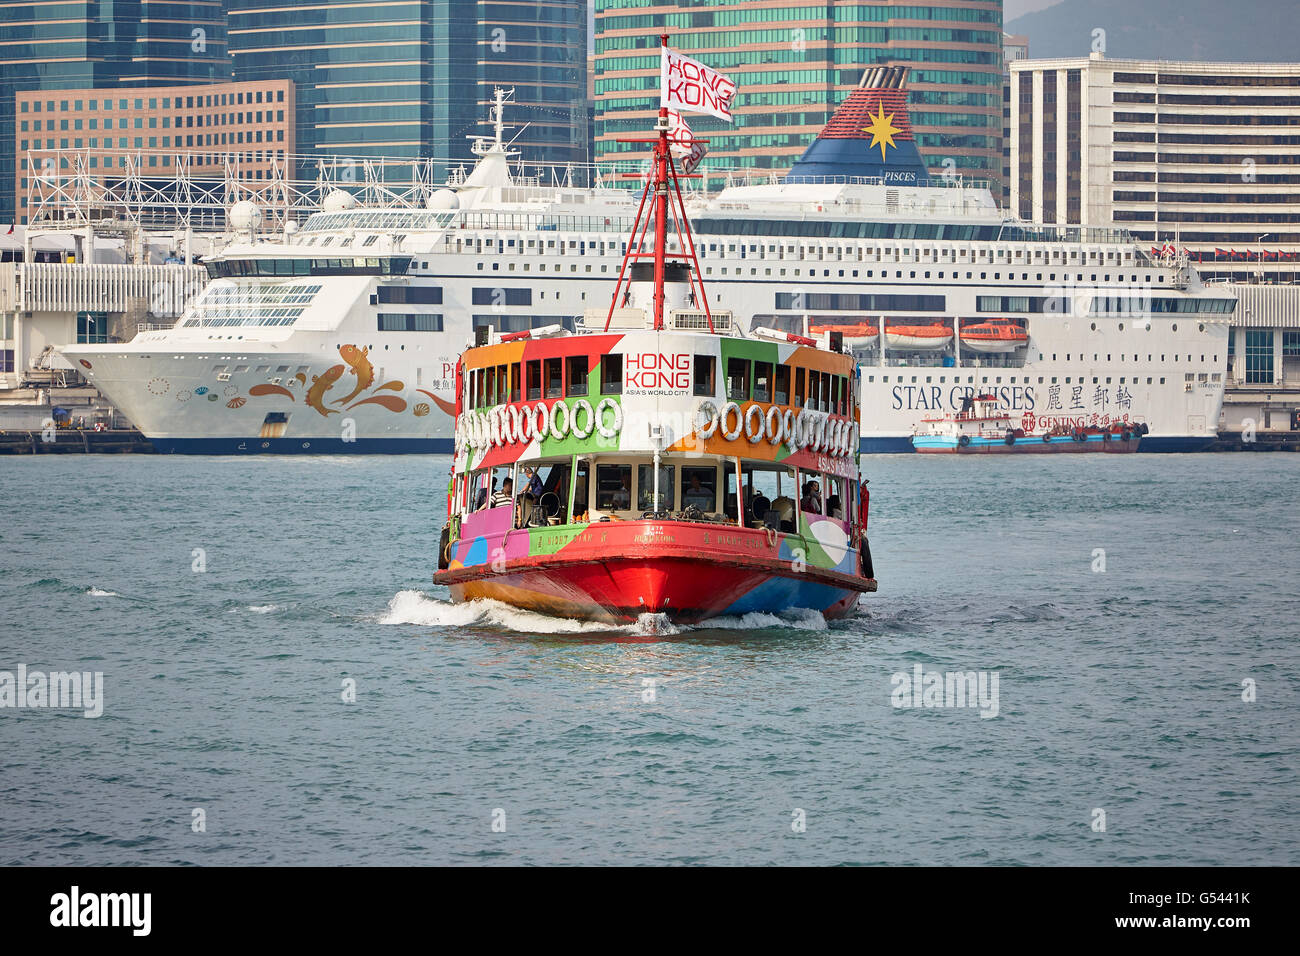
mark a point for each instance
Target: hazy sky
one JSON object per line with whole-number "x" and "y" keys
{"x": 1017, "y": 8}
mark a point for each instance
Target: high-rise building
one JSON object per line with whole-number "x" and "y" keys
{"x": 155, "y": 129}
{"x": 1190, "y": 157}
{"x": 413, "y": 78}
{"x": 795, "y": 61}
{"x": 1014, "y": 47}
{"x": 100, "y": 44}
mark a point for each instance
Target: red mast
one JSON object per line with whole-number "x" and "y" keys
{"x": 663, "y": 172}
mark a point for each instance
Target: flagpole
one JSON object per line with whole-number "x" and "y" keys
{"x": 661, "y": 203}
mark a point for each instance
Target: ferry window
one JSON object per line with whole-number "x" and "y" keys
{"x": 704, "y": 375}
{"x": 576, "y": 383}
{"x": 834, "y": 497}
{"x": 798, "y": 388}
{"x": 835, "y": 394}
{"x": 700, "y": 488}
{"x": 554, "y": 382}
{"x": 533, "y": 370}
{"x": 580, "y": 483}
{"x": 514, "y": 382}
{"x": 611, "y": 375}
{"x": 810, "y": 494}
{"x": 613, "y": 487}
{"x": 762, "y": 381}
{"x": 738, "y": 379}
{"x": 645, "y": 488}
{"x": 490, "y": 386}
{"x": 782, "y": 393}
{"x": 502, "y": 383}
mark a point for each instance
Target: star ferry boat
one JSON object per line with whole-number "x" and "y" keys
{"x": 658, "y": 459}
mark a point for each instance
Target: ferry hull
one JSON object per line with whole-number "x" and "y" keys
{"x": 685, "y": 591}
{"x": 613, "y": 572}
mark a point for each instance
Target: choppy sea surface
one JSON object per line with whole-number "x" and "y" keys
{"x": 1139, "y": 611}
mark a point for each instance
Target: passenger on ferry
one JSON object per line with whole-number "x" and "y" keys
{"x": 623, "y": 496}
{"x": 811, "y": 502}
{"x": 533, "y": 486}
{"x": 835, "y": 507}
{"x": 505, "y": 495}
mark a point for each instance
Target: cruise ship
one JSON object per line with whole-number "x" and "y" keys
{"x": 343, "y": 336}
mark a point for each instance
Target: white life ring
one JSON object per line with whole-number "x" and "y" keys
{"x": 617, "y": 426}
{"x": 516, "y": 423}
{"x": 476, "y": 431}
{"x": 581, "y": 405}
{"x": 494, "y": 418}
{"x": 775, "y": 426}
{"x": 819, "y": 433}
{"x": 804, "y": 427}
{"x": 754, "y": 436}
{"x": 857, "y": 440}
{"x": 710, "y": 426}
{"x": 543, "y": 420}
{"x": 788, "y": 430}
{"x": 731, "y": 434}
{"x": 527, "y": 428}
{"x": 558, "y": 430}
{"x": 836, "y": 437}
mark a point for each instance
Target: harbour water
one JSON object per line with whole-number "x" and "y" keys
{"x": 1121, "y": 601}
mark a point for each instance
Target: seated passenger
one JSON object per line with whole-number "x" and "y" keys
{"x": 623, "y": 496}
{"x": 834, "y": 507}
{"x": 811, "y": 502}
{"x": 505, "y": 496}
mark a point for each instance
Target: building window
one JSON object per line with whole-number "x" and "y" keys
{"x": 1259, "y": 356}
{"x": 1290, "y": 344}
{"x": 92, "y": 328}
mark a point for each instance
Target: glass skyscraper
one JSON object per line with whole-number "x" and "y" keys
{"x": 412, "y": 79}
{"x": 796, "y": 62}
{"x": 78, "y": 44}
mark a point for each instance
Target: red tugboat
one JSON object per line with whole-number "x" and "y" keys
{"x": 659, "y": 460}
{"x": 983, "y": 426}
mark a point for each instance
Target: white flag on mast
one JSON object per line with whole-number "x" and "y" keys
{"x": 691, "y": 87}
{"x": 688, "y": 150}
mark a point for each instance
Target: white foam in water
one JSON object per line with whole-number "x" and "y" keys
{"x": 415, "y": 607}
{"x": 99, "y": 592}
{"x": 798, "y": 618}
{"x": 263, "y": 608}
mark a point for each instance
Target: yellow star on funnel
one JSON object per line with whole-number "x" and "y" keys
{"x": 882, "y": 131}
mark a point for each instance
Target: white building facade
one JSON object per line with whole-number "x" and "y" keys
{"x": 1189, "y": 156}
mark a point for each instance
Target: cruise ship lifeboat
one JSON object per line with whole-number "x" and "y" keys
{"x": 923, "y": 337}
{"x": 995, "y": 335}
{"x": 857, "y": 335}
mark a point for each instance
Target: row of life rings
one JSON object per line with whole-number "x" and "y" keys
{"x": 512, "y": 424}
{"x": 815, "y": 431}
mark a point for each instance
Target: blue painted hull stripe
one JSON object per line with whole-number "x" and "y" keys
{"x": 902, "y": 445}
{"x": 303, "y": 446}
